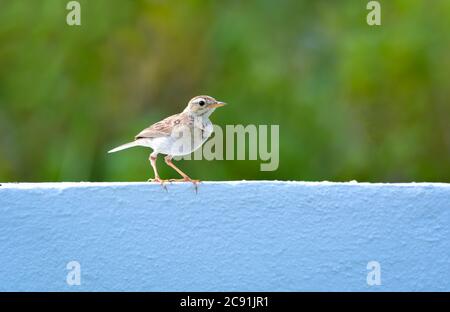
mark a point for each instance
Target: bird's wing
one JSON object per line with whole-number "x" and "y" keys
{"x": 161, "y": 128}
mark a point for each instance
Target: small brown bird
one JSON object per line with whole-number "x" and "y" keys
{"x": 177, "y": 135}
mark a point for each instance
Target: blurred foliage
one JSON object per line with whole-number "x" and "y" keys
{"x": 352, "y": 101}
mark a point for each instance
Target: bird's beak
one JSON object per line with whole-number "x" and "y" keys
{"x": 217, "y": 104}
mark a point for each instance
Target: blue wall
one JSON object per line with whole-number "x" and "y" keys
{"x": 231, "y": 236}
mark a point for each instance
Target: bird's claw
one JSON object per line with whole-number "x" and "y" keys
{"x": 195, "y": 182}
{"x": 160, "y": 181}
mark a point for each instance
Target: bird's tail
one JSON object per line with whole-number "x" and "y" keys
{"x": 125, "y": 146}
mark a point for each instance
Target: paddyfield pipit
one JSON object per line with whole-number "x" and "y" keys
{"x": 177, "y": 135}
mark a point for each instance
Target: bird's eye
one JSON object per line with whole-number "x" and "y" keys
{"x": 201, "y": 103}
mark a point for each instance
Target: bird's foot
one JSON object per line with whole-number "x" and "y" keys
{"x": 176, "y": 180}
{"x": 160, "y": 181}
{"x": 195, "y": 182}
{"x": 187, "y": 179}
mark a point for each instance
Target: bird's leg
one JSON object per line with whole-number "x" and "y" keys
{"x": 186, "y": 178}
{"x": 168, "y": 160}
{"x": 152, "y": 159}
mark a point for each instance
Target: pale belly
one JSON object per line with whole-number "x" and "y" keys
{"x": 181, "y": 142}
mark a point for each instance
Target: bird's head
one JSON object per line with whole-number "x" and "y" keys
{"x": 203, "y": 105}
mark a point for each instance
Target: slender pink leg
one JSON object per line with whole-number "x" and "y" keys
{"x": 186, "y": 178}
{"x": 152, "y": 158}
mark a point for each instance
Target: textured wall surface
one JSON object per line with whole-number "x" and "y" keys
{"x": 230, "y": 236}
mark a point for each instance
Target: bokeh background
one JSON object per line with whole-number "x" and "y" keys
{"x": 352, "y": 101}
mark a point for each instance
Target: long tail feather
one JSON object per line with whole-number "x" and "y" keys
{"x": 125, "y": 146}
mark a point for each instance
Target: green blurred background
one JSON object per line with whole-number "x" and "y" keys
{"x": 352, "y": 101}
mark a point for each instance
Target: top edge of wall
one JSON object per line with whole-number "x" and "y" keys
{"x": 62, "y": 185}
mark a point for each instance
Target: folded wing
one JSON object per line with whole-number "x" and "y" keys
{"x": 160, "y": 129}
